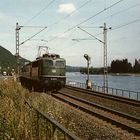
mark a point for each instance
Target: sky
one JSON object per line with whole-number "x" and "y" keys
{"x": 62, "y": 35}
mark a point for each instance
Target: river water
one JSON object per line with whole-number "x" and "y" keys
{"x": 131, "y": 83}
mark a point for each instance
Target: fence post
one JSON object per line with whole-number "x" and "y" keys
{"x": 112, "y": 91}
{"x": 129, "y": 93}
{"x": 137, "y": 96}
{"x": 116, "y": 92}
{"x": 122, "y": 93}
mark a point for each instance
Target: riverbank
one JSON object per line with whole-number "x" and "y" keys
{"x": 124, "y": 74}
{"x": 115, "y": 74}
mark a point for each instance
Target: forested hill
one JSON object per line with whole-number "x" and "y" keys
{"x": 8, "y": 60}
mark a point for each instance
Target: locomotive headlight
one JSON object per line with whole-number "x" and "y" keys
{"x": 53, "y": 71}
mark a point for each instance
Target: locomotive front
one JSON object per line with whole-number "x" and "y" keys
{"x": 53, "y": 72}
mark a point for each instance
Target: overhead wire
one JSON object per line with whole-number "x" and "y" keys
{"x": 126, "y": 24}
{"x": 91, "y": 35}
{"x": 71, "y": 13}
{"x": 67, "y": 37}
{"x": 69, "y": 29}
{"x": 121, "y": 11}
{"x": 58, "y": 21}
{"x": 36, "y": 26}
{"x": 32, "y": 36}
{"x": 37, "y": 14}
{"x": 113, "y": 28}
{"x": 117, "y": 27}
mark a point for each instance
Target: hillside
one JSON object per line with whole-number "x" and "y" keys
{"x": 8, "y": 60}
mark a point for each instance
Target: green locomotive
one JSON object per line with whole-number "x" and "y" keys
{"x": 46, "y": 73}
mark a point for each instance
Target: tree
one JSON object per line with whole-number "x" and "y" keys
{"x": 121, "y": 66}
{"x": 136, "y": 67}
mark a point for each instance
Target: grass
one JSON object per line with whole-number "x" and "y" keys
{"x": 17, "y": 119}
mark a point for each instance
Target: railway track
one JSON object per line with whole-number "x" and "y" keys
{"x": 120, "y": 119}
{"x": 107, "y": 96}
{"x": 117, "y": 103}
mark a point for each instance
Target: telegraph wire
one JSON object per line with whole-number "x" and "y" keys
{"x": 89, "y": 18}
{"x": 37, "y": 14}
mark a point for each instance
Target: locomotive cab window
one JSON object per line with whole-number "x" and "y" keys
{"x": 60, "y": 64}
{"x": 48, "y": 63}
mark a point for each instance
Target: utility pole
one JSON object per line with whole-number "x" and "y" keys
{"x": 17, "y": 46}
{"x": 105, "y": 58}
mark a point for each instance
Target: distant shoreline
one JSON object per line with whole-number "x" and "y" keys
{"x": 124, "y": 74}
{"x": 117, "y": 74}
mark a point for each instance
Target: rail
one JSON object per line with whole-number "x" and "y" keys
{"x": 114, "y": 91}
{"x": 120, "y": 119}
{"x": 47, "y": 128}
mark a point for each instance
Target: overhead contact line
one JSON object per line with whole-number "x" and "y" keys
{"x": 40, "y": 12}
{"x": 70, "y": 13}
{"x": 121, "y": 11}
{"x": 88, "y": 18}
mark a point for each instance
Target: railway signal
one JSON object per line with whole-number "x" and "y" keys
{"x": 88, "y": 82}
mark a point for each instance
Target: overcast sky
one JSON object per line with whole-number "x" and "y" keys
{"x": 62, "y": 18}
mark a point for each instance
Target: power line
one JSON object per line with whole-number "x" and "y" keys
{"x": 119, "y": 26}
{"x": 89, "y": 18}
{"x": 37, "y": 14}
{"x": 100, "y": 12}
{"x": 126, "y": 24}
{"x": 32, "y": 36}
{"x": 58, "y": 21}
{"x": 121, "y": 11}
{"x": 71, "y": 13}
{"x": 116, "y": 27}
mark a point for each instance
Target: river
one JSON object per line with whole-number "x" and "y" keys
{"x": 131, "y": 82}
